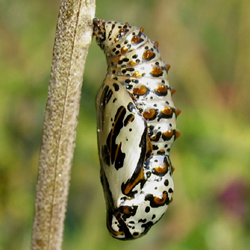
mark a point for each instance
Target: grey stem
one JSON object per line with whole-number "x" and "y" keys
{"x": 72, "y": 39}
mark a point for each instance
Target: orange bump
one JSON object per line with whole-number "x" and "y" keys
{"x": 161, "y": 89}
{"x": 162, "y": 169}
{"x": 177, "y": 133}
{"x": 153, "y": 138}
{"x": 148, "y": 54}
{"x": 167, "y": 67}
{"x": 177, "y": 111}
{"x": 124, "y": 49}
{"x": 137, "y": 74}
{"x": 173, "y": 91}
{"x": 157, "y": 71}
{"x": 135, "y": 39}
{"x": 168, "y": 133}
{"x": 122, "y": 31}
{"x": 142, "y": 29}
{"x": 156, "y": 44}
{"x": 149, "y": 114}
{"x": 126, "y": 210}
{"x": 161, "y": 201}
{"x": 141, "y": 90}
{"x": 132, "y": 63}
{"x": 167, "y": 111}
{"x": 116, "y": 39}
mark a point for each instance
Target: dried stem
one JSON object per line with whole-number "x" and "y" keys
{"x": 72, "y": 39}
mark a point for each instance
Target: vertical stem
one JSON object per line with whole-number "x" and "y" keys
{"x": 72, "y": 39}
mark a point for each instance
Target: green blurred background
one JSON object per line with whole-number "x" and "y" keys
{"x": 207, "y": 43}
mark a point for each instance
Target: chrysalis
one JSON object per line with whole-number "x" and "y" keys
{"x": 136, "y": 128}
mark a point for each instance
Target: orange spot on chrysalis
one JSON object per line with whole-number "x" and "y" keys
{"x": 162, "y": 169}
{"x": 156, "y": 71}
{"x": 173, "y": 91}
{"x": 148, "y": 54}
{"x": 124, "y": 49}
{"x": 140, "y": 90}
{"x": 167, "y": 67}
{"x": 161, "y": 89}
{"x": 137, "y": 74}
{"x": 177, "y": 134}
{"x": 177, "y": 111}
{"x": 161, "y": 201}
{"x": 167, "y": 111}
{"x": 168, "y": 133}
{"x": 132, "y": 63}
{"x": 149, "y": 114}
{"x": 135, "y": 39}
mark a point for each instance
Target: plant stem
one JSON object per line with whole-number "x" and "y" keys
{"x": 72, "y": 39}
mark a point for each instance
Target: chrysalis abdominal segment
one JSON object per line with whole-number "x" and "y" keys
{"x": 136, "y": 128}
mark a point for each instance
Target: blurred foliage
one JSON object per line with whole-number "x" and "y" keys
{"x": 208, "y": 45}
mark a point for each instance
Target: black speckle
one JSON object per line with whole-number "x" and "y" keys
{"x": 142, "y": 220}
{"x": 166, "y": 182}
{"x": 135, "y": 234}
{"x": 130, "y": 86}
{"x": 116, "y": 86}
{"x": 130, "y": 107}
{"x": 147, "y": 209}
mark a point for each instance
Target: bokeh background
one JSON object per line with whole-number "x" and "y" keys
{"x": 207, "y": 43}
